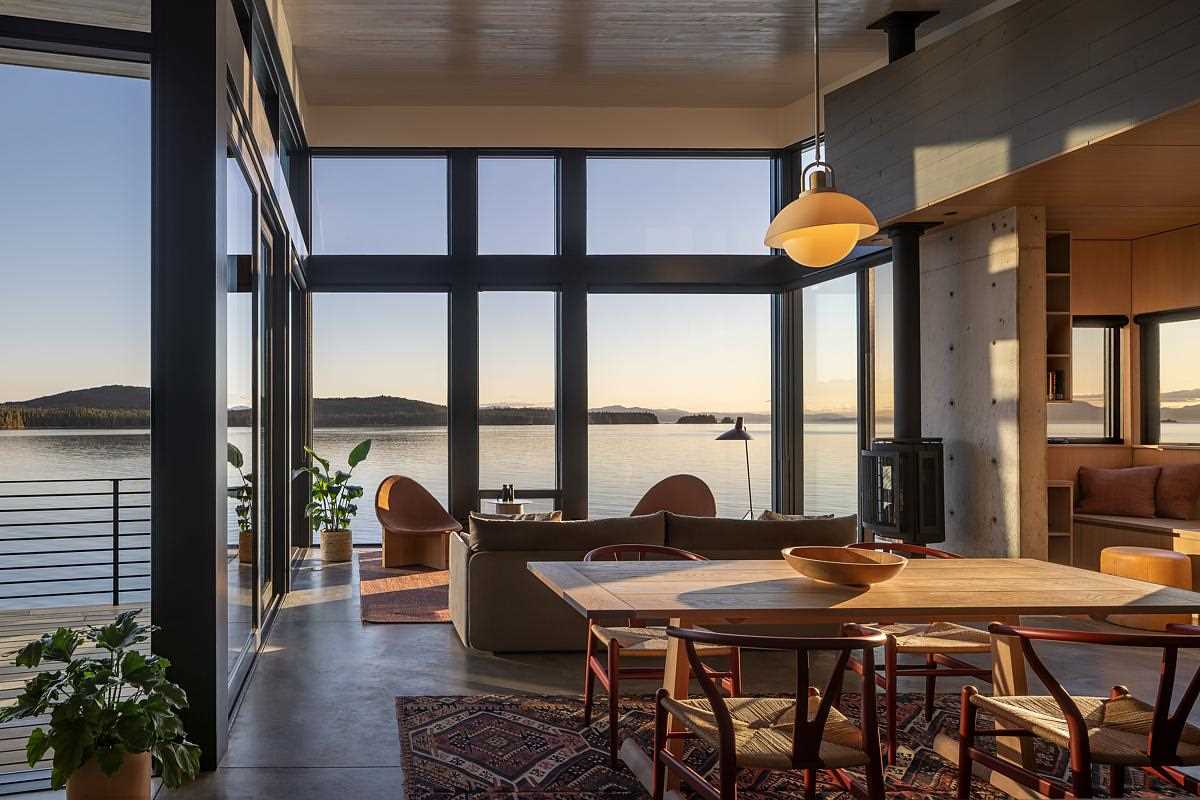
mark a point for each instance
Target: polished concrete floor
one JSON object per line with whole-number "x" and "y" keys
{"x": 317, "y": 720}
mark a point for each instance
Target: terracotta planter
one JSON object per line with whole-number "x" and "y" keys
{"x": 132, "y": 781}
{"x": 336, "y": 546}
{"x": 246, "y": 547}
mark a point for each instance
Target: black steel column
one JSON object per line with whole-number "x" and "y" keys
{"x": 463, "y": 391}
{"x": 1150, "y": 386}
{"x": 572, "y": 340}
{"x": 901, "y": 27}
{"x": 190, "y": 120}
{"x": 906, "y": 321}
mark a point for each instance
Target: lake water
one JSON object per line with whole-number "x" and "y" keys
{"x": 623, "y": 461}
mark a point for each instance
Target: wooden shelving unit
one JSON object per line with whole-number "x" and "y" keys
{"x": 1060, "y": 509}
{"x": 1058, "y": 318}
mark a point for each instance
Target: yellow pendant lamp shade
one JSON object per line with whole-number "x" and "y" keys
{"x": 821, "y": 226}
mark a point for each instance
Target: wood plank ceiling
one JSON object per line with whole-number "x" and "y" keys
{"x": 669, "y": 53}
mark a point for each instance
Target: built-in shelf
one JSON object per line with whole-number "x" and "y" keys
{"x": 1060, "y": 518}
{"x": 1058, "y": 318}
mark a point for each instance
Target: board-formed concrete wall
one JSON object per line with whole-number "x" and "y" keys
{"x": 1020, "y": 86}
{"x": 982, "y": 374}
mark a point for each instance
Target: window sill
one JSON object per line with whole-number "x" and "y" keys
{"x": 1120, "y": 444}
{"x": 1184, "y": 447}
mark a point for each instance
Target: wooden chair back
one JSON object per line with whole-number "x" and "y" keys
{"x": 904, "y": 549}
{"x": 807, "y": 733}
{"x": 679, "y": 494}
{"x": 1167, "y": 726}
{"x": 403, "y": 505}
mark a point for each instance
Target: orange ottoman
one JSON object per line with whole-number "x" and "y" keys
{"x": 1150, "y": 564}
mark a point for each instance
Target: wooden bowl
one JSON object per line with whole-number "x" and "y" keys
{"x": 844, "y": 566}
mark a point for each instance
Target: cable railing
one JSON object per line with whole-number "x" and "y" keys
{"x": 54, "y": 530}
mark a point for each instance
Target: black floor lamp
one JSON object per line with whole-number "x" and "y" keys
{"x": 738, "y": 433}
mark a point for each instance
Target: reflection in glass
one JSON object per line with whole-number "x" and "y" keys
{"x": 884, "y": 355}
{"x": 831, "y": 397}
{"x": 244, "y": 516}
{"x": 517, "y": 206}
{"x": 1086, "y": 415}
{"x": 516, "y": 390}
{"x": 666, "y": 375}
{"x": 678, "y": 205}
{"x": 379, "y": 206}
{"x": 380, "y": 372}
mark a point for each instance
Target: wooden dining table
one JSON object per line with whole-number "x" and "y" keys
{"x": 689, "y": 593}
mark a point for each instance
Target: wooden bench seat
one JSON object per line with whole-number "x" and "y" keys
{"x": 1187, "y": 528}
{"x": 1094, "y": 532}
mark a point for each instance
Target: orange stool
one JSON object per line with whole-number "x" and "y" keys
{"x": 1150, "y": 564}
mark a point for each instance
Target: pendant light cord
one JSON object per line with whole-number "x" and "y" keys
{"x": 817, "y": 79}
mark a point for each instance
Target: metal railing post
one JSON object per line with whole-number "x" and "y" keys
{"x": 116, "y": 540}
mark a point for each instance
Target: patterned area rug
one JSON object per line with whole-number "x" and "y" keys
{"x": 537, "y": 748}
{"x": 411, "y": 594}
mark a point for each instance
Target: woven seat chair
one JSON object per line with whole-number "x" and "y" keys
{"x": 768, "y": 733}
{"x": 635, "y": 639}
{"x": 1118, "y": 731}
{"x": 939, "y": 644}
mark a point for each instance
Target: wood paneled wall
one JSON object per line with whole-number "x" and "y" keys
{"x": 1166, "y": 271}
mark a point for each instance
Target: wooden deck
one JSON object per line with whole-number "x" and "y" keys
{"x": 17, "y": 628}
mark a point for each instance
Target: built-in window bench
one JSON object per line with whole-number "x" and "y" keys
{"x": 1094, "y": 532}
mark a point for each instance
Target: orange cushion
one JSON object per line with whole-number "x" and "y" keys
{"x": 1178, "y": 488}
{"x": 1127, "y": 492}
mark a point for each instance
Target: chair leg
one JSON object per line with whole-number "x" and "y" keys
{"x": 614, "y": 701}
{"x": 889, "y": 662}
{"x": 810, "y": 784}
{"x": 876, "y": 788}
{"x": 966, "y": 741}
{"x": 589, "y": 679}
{"x": 660, "y": 742}
{"x": 930, "y": 687}
{"x": 735, "y": 672}
{"x": 1116, "y": 781}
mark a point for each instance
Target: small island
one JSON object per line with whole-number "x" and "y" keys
{"x": 696, "y": 419}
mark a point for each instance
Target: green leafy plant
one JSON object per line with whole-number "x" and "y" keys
{"x": 244, "y": 494}
{"x": 331, "y": 504}
{"x": 103, "y": 706}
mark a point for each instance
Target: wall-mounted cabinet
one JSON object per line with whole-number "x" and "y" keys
{"x": 1058, "y": 318}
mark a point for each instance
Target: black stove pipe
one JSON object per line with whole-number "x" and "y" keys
{"x": 901, "y": 27}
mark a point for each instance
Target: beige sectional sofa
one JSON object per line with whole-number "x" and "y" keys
{"x": 496, "y": 604}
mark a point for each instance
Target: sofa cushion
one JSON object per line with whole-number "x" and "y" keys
{"x": 511, "y": 535}
{"x": 744, "y": 538}
{"x": 1128, "y": 491}
{"x": 775, "y": 516}
{"x": 1177, "y": 490}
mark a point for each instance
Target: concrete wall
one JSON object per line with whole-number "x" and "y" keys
{"x": 983, "y": 362}
{"x": 1028, "y": 83}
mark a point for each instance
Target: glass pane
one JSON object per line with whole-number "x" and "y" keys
{"x": 831, "y": 397}
{"x": 885, "y": 397}
{"x": 379, "y": 373}
{"x": 517, "y": 206}
{"x": 678, "y": 205}
{"x": 74, "y": 337}
{"x": 516, "y": 391}
{"x": 1085, "y": 416}
{"x": 1179, "y": 382}
{"x": 379, "y": 206}
{"x": 667, "y": 374}
{"x": 244, "y": 511}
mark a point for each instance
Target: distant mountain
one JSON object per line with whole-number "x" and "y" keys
{"x": 1077, "y": 411}
{"x": 672, "y": 415}
{"x": 1181, "y": 414}
{"x": 114, "y": 396}
{"x": 1181, "y": 395}
{"x": 99, "y": 407}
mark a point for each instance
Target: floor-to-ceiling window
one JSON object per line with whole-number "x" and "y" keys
{"x": 74, "y": 349}
{"x": 667, "y": 374}
{"x": 831, "y": 397}
{"x": 379, "y": 373}
{"x": 884, "y": 355}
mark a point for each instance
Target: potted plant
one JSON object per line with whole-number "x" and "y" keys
{"x": 244, "y": 494}
{"x": 331, "y": 501}
{"x": 113, "y": 714}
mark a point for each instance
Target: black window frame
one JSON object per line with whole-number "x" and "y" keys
{"x": 1112, "y": 324}
{"x": 1151, "y": 412}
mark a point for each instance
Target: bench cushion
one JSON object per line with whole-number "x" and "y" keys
{"x": 1128, "y": 491}
{"x": 1178, "y": 487}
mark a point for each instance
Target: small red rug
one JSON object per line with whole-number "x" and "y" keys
{"x": 407, "y": 595}
{"x": 537, "y": 748}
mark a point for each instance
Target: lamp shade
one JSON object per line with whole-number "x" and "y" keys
{"x": 737, "y": 433}
{"x": 821, "y": 226}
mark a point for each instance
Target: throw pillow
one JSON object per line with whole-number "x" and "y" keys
{"x": 536, "y": 516}
{"x": 1126, "y": 492}
{"x": 775, "y": 516}
{"x": 1178, "y": 488}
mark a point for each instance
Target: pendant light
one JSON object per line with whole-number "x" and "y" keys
{"x": 821, "y": 226}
